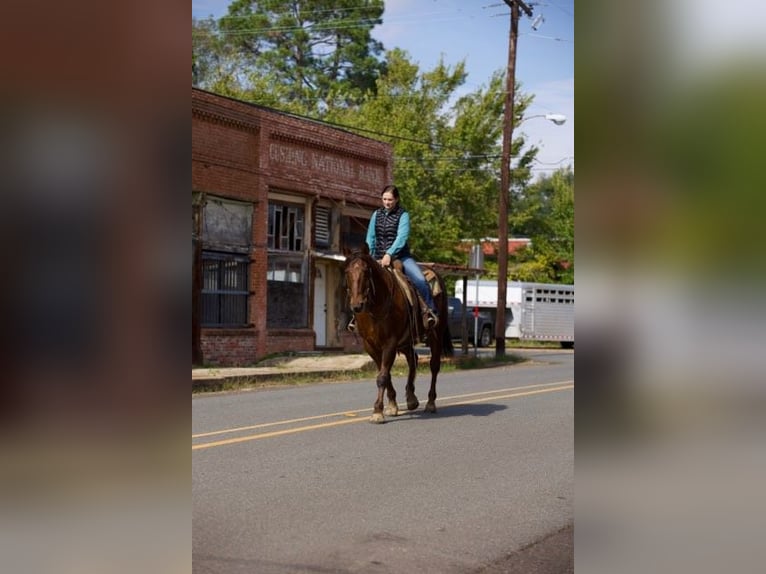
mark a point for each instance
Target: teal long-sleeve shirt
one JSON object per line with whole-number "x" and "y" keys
{"x": 402, "y": 235}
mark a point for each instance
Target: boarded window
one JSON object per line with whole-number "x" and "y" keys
{"x": 287, "y": 292}
{"x": 286, "y": 269}
{"x": 227, "y": 223}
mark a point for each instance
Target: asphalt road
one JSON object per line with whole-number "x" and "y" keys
{"x": 296, "y": 480}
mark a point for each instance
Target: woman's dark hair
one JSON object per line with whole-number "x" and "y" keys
{"x": 393, "y": 189}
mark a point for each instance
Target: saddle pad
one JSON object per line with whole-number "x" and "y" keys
{"x": 405, "y": 284}
{"x": 433, "y": 281}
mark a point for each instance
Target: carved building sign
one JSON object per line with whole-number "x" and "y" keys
{"x": 325, "y": 164}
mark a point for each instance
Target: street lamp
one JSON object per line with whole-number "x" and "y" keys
{"x": 505, "y": 187}
{"x": 558, "y": 119}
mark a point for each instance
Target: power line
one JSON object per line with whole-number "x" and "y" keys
{"x": 548, "y": 38}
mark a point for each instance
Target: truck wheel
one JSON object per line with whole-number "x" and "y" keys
{"x": 486, "y": 337}
{"x": 567, "y": 344}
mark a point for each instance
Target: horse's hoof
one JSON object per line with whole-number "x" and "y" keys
{"x": 430, "y": 408}
{"x": 377, "y": 418}
{"x": 413, "y": 404}
{"x": 392, "y": 411}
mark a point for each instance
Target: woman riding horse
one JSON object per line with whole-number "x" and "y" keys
{"x": 388, "y": 239}
{"x": 388, "y": 325}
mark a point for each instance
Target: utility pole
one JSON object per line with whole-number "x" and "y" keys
{"x": 505, "y": 175}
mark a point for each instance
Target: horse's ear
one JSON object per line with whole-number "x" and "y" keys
{"x": 346, "y": 252}
{"x": 365, "y": 248}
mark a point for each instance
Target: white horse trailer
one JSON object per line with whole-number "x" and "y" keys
{"x": 538, "y": 311}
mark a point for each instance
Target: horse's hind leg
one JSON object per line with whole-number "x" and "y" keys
{"x": 392, "y": 409}
{"x": 412, "y": 363}
{"x": 435, "y": 365}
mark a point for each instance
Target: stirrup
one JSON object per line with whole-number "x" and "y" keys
{"x": 351, "y": 327}
{"x": 430, "y": 320}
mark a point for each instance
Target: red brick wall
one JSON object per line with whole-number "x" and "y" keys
{"x": 229, "y": 347}
{"x": 288, "y": 340}
{"x": 241, "y": 151}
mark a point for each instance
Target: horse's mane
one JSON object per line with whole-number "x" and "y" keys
{"x": 363, "y": 255}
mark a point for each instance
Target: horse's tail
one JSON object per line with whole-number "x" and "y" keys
{"x": 447, "y": 349}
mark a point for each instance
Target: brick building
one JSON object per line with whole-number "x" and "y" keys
{"x": 275, "y": 199}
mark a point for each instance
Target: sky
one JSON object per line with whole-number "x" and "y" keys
{"x": 476, "y": 31}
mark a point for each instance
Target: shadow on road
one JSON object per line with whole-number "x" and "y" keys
{"x": 475, "y": 410}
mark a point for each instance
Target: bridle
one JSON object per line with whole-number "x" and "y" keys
{"x": 369, "y": 293}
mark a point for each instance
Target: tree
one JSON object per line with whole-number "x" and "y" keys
{"x": 446, "y": 145}
{"x": 544, "y": 212}
{"x": 215, "y": 65}
{"x": 311, "y": 54}
{"x": 446, "y": 151}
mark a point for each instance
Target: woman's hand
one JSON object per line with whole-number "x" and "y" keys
{"x": 386, "y": 260}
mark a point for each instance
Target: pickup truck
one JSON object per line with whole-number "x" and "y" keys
{"x": 485, "y": 328}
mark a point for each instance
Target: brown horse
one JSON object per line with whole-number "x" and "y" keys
{"x": 388, "y": 324}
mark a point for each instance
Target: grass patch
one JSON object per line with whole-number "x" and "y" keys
{"x": 294, "y": 379}
{"x": 519, "y": 344}
{"x": 469, "y": 362}
{"x": 250, "y": 382}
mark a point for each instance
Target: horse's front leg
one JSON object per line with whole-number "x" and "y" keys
{"x": 377, "y": 407}
{"x": 383, "y": 382}
{"x": 412, "y": 363}
{"x": 392, "y": 409}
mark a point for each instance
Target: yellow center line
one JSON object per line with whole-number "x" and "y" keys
{"x": 358, "y": 411}
{"x": 275, "y": 433}
{"x": 512, "y": 395}
{"x": 345, "y": 421}
{"x": 277, "y": 423}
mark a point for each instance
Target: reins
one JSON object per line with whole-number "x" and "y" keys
{"x": 390, "y": 301}
{"x": 382, "y": 311}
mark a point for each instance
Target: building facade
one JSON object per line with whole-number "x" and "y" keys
{"x": 275, "y": 200}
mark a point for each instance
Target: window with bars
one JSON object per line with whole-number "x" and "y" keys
{"x": 285, "y": 231}
{"x": 224, "y": 289}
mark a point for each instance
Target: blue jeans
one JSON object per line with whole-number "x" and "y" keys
{"x": 413, "y": 272}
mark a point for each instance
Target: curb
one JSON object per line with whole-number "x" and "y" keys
{"x": 217, "y": 379}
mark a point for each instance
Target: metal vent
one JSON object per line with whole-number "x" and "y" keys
{"x": 322, "y": 227}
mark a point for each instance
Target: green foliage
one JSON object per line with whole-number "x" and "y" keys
{"x": 215, "y": 65}
{"x": 317, "y": 58}
{"x": 309, "y": 54}
{"x": 446, "y": 151}
{"x": 544, "y": 212}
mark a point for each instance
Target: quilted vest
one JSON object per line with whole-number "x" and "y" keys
{"x": 386, "y": 226}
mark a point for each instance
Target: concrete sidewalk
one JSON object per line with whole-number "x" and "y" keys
{"x": 317, "y": 364}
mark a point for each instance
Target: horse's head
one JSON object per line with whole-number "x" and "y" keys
{"x": 359, "y": 281}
